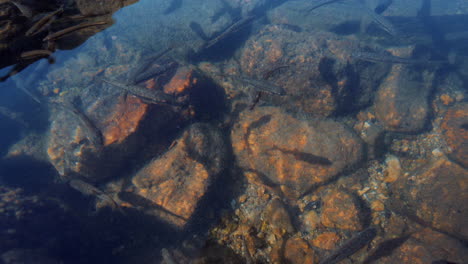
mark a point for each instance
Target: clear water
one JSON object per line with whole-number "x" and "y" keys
{"x": 234, "y": 131}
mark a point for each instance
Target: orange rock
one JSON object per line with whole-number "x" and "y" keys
{"x": 183, "y": 79}
{"x": 446, "y": 99}
{"x": 278, "y": 218}
{"x": 124, "y": 120}
{"x": 455, "y": 133}
{"x": 176, "y": 181}
{"x": 427, "y": 246}
{"x": 340, "y": 211}
{"x": 311, "y": 220}
{"x": 437, "y": 195}
{"x": 393, "y": 170}
{"x": 327, "y": 241}
{"x": 402, "y": 105}
{"x": 292, "y": 153}
{"x": 298, "y": 251}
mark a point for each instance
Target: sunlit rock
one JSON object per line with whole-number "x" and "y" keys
{"x": 402, "y": 103}
{"x": 176, "y": 181}
{"x": 294, "y": 154}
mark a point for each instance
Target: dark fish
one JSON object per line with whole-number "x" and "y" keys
{"x": 141, "y": 73}
{"x": 350, "y": 247}
{"x": 147, "y": 95}
{"x": 35, "y": 54}
{"x": 64, "y": 32}
{"x": 144, "y": 203}
{"x": 306, "y": 157}
{"x": 274, "y": 71}
{"x": 229, "y": 31}
{"x": 262, "y": 85}
{"x": 90, "y": 190}
{"x": 40, "y": 25}
{"x": 387, "y": 58}
{"x": 320, "y": 3}
{"x": 93, "y": 134}
{"x": 380, "y": 21}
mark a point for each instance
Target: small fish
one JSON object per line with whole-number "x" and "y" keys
{"x": 64, "y": 32}
{"x": 140, "y": 71}
{"x": 93, "y": 134}
{"x": 381, "y": 21}
{"x": 387, "y": 58}
{"x": 262, "y": 85}
{"x": 147, "y": 95}
{"x": 229, "y": 31}
{"x": 320, "y": 3}
{"x": 35, "y": 54}
{"x": 350, "y": 247}
{"x": 306, "y": 157}
{"x": 90, "y": 190}
{"x": 40, "y": 25}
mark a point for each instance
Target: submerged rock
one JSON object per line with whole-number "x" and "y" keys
{"x": 313, "y": 69}
{"x": 455, "y": 132}
{"x": 341, "y": 211}
{"x": 297, "y": 250}
{"x": 426, "y": 246}
{"x": 175, "y": 182}
{"x": 435, "y": 196}
{"x": 402, "y": 104}
{"x": 291, "y": 153}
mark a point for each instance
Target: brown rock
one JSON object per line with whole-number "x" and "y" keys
{"x": 277, "y": 216}
{"x": 312, "y": 68}
{"x": 125, "y": 123}
{"x": 455, "y": 133}
{"x": 436, "y": 195}
{"x": 311, "y": 220}
{"x": 427, "y": 246}
{"x": 402, "y": 104}
{"x": 340, "y": 211}
{"x": 295, "y": 154}
{"x": 327, "y": 240}
{"x": 298, "y": 251}
{"x": 176, "y": 181}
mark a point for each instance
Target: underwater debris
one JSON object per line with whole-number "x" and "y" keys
{"x": 355, "y": 243}
{"x": 64, "y": 32}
